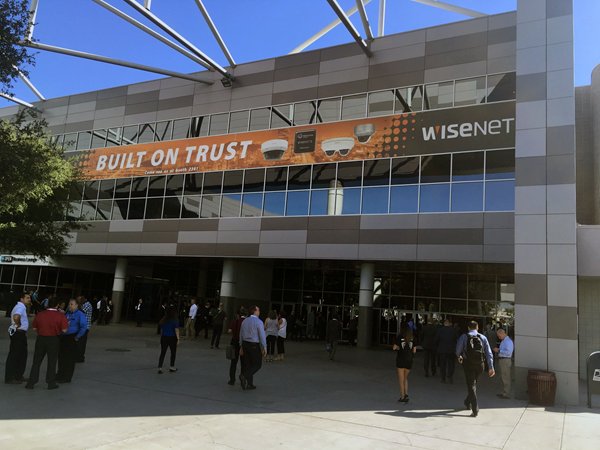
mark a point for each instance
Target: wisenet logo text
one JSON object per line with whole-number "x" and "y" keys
{"x": 467, "y": 129}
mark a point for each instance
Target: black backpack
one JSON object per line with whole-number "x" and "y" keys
{"x": 474, "y": 354}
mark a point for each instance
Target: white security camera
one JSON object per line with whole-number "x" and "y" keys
{"x": 274, "y": 149}
{"x": 364, "y": 132}
{"x": 339, "y": 145}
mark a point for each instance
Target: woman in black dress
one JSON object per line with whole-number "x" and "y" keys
{"x": 405, "y": 352}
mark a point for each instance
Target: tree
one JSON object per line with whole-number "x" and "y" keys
{"x": 14, "y": 23}
{"x": 35, "y": 180}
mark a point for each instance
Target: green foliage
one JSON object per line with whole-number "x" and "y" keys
{"x": 14, "y": 22}
{"x": 35, "y": 180}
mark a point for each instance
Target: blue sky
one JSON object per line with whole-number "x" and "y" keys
{"x": 252, "y": 29}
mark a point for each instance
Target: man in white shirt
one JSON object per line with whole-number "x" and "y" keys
{"x": 17, "y": 355}
{"x": 191, "y": 320}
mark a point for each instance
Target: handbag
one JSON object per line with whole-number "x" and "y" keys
{"x": 230, "y": 352}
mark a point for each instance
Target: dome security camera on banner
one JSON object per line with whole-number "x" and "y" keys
{"x": 339, "y": 145}
{"x": 274, "y": 149}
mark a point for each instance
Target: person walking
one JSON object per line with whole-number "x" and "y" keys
{"x": 472, "y": 350}
{"x": 169, "y": 337}
{"x": 189, "y": 330}
{"x": 202, "y": 320}
{"x": 281, "y": 336}
{"x": 332, "y": 335}
{"x": 446, "y": 345}
{"x": 405, "y": 353}
{"x": 271, "y": 330}
{"x": 429, "y": 347}
{"x": 88, "y": 310}
{"x": 103, "y": 311}
{"x": 67, "y": 354}
{"x": 139, "y": 312}
{"x": 16, "y": 361}
{"x": 353, "y": 330}
{"x": 49, "y": 325}
{"x": 253, "y": 345}
{"x": 504, "y": 352}
{"x": 234, "y": 329}
{"x": 218, "y": 319}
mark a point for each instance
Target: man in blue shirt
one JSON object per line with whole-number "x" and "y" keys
{"x": 504, "y": 352}
{"x": 253, "y": 343}
{"x": 69, "y": 340}
{"x": 88, "y": 310}
{"x": 472, "y": 349}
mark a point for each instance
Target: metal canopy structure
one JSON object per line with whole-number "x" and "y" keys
{"x": 192, "y": 52}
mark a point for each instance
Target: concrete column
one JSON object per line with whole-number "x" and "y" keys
{"x": 365, "y": 303}
{"x": 228, "y": 291}
{"x": 335, "y": 198}
{"x": 118, "y": 291}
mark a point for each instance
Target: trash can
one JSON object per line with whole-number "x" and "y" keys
{"x": 541, "y": 386}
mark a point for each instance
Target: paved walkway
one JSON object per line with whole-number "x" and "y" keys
{"x": 117, "y": 400}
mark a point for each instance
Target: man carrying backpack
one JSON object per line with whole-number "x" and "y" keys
{"x": 472, "y": 350}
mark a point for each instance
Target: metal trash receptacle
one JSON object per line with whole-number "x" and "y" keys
{"x": 541, "y": 387}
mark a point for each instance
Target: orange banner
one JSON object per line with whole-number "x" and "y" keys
{"x": 477, "y": 127}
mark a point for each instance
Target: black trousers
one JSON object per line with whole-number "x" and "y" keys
{"x": 139, "y": 318}
{"x": 169, "y": 342}
{"x": 271, "y": 340}
{"x": 17, "y": 357}
{"x": 44, "y": 345}
{"x": 67, "y": 354}
{"x": 430, "y": 362}
{"x": 199, "y": 325}
{"x": 233, "y": 364}
{"x": 447, "y": 365}
{"x": 216, "y": 336}
{"x": 280, "y": 345}
{"x": 471, "y": 376}
{"x": 81, "y": 346}
{"x": 251, "y": 360}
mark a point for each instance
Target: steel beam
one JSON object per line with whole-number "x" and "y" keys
{"x": 151, "y": 32}
{"x": 325, "y": 30}
{"x": 215, "y": 32}
{"x": 29, "y": 84}
{"x": 16, "y": 100}
{"x": 452, "y": 8}
{"x": 355, "y": 34}
{"x": 117, "y": 62}
{"x": 33, "y": 7}
{"x": 365, "y": 19}
{"x": 381, "y": 23}
{"x": 159, "y": 23}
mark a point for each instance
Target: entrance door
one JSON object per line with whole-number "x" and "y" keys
{"x": 152, "y": 291}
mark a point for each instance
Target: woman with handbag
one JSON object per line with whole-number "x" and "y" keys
{"x": 405, "y": 353}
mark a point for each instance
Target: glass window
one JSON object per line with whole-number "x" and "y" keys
{"x": 439, "y": 95}
{"x": 104, "y": 210}
{"x": 435, "y": 198}
{"x": 381, "y": 103}
{"x": 7, "y": 274}
{"x": 469, "y": 92}
{"x": 230, "y": 205}
{"x": 350, "y": 201}
{"x": 191, "y": 207}
{"x": 350, "y": 173}
{"x": 193, "y": 183}
{"x": 297, "y": 203}
{"x": 454, "y": 306}
{"x": 146, "y": 133}
{"x": 130, "y": 134}
{"x": 252, "y": 205}
{"x": 482, "y": 287}
{"x": 377, "y": 172}
{"x": 305, "y": 113}
{"x": 405, "y": 170}
{"x": 254, "y": 180}
{"x": 84, "y": 140}
{"x": 114, "y": 137}
{"x": 232, "y": 181}
{"x": 107, "y": 189}
{"x": 172, "y": 208}
{"x": 329, "y": 110}
{"x": 501, "y": 87}
{"x": 500, "y": 196}
{"x": 409, "y": 99}
{"x": 323, "y": 175}
{"x": 354, "y": 106}
{"x": 139, "y": 187}
{"x": 119, "y": 211}
{"x": 238, "y": 122}
{"x": 427, "y": 285}
{"x": 454, "y": 285}
{"x": 467, "y": 197}
{"x": 435, "y": 168}
{"x": 70, "y": 142}
{"x": 211, "y": 205}
{"x": 98, "y": 139}
{"x": 90, "y": 191}
{"x": 276, "y": 179}
{"x": 375, "y": 200}
{"x": 156, "y": 186}
{"x": 74, "y": 209}
{"x": 404, "y": 199}
{"x": 319, "y": 203}
{"x": 218, "y": 124}
{"x": 181, "y": 128}
{"x": 154, "y": 208}
{"x": 259, "y": 119}
{"x": 467, "y": 166}
{"x": 281, "y": 116}
{"x": 199, "y": 126}
{"x": 122, "y": 188}
{"x": 88, "y": 210}
{"x": 174, "y": 185}
{"x": 274, "y": 204}
{"x": 213, "y": 182}
{"x": 500, "y": 164}
{"x": 164, "y": 130}
{"x": 76, "y": 192}
{"x": 299, "y": 177}
{"x": 136, "y": 208}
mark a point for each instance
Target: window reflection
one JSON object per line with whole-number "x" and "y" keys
{"x": 136, "y": 209}
{"x": 154, "y": 208}
{"x": 297, "y": 203}
{"x": 439, "y": 95}
{"x": 435, "y": 168}
{"x": 435, "y": 198}
{"x": 405, "y": 170}
{"x": 230, "y": 205}
{"x": 350, "y": 198}
{"x": 375, "y": 200}
{"x": 259, "y": 119}
{"x": 404, "y": 199}
{"x": 319, "y": 202}
{"x": 409, "y": 99}
{"x": 274, "y": 204}
{"x": 500, "y": 164}
{"x": 164, "y": 131}
{"x": 238, "y": 122}
{"x": 211, "y": 205}
{"x": 329, "y": 110}
{"x": 381, "y": 103}
{"x": 281, "y": 116}
{"x": 500, "y": 196}
{"x": 191, "y": 207}
{"x": 172, "y": 208}
{"x": 467, "y": 196}
{"x": 354, "y": 106}
{"x": 501, "y": 87}
{"x": 470, "y": 91}
{"x": 467, "y": 166}
{"x": 252, "y": 205}
{"x": 218, "y": 124}
{"x": 305, "y": 113}
{"x": 147, "y": 133}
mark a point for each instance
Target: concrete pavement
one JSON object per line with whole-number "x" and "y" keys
{"x": 117, "y": 400}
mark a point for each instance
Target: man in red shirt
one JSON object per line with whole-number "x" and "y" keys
{"x": 49, "y": 324}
